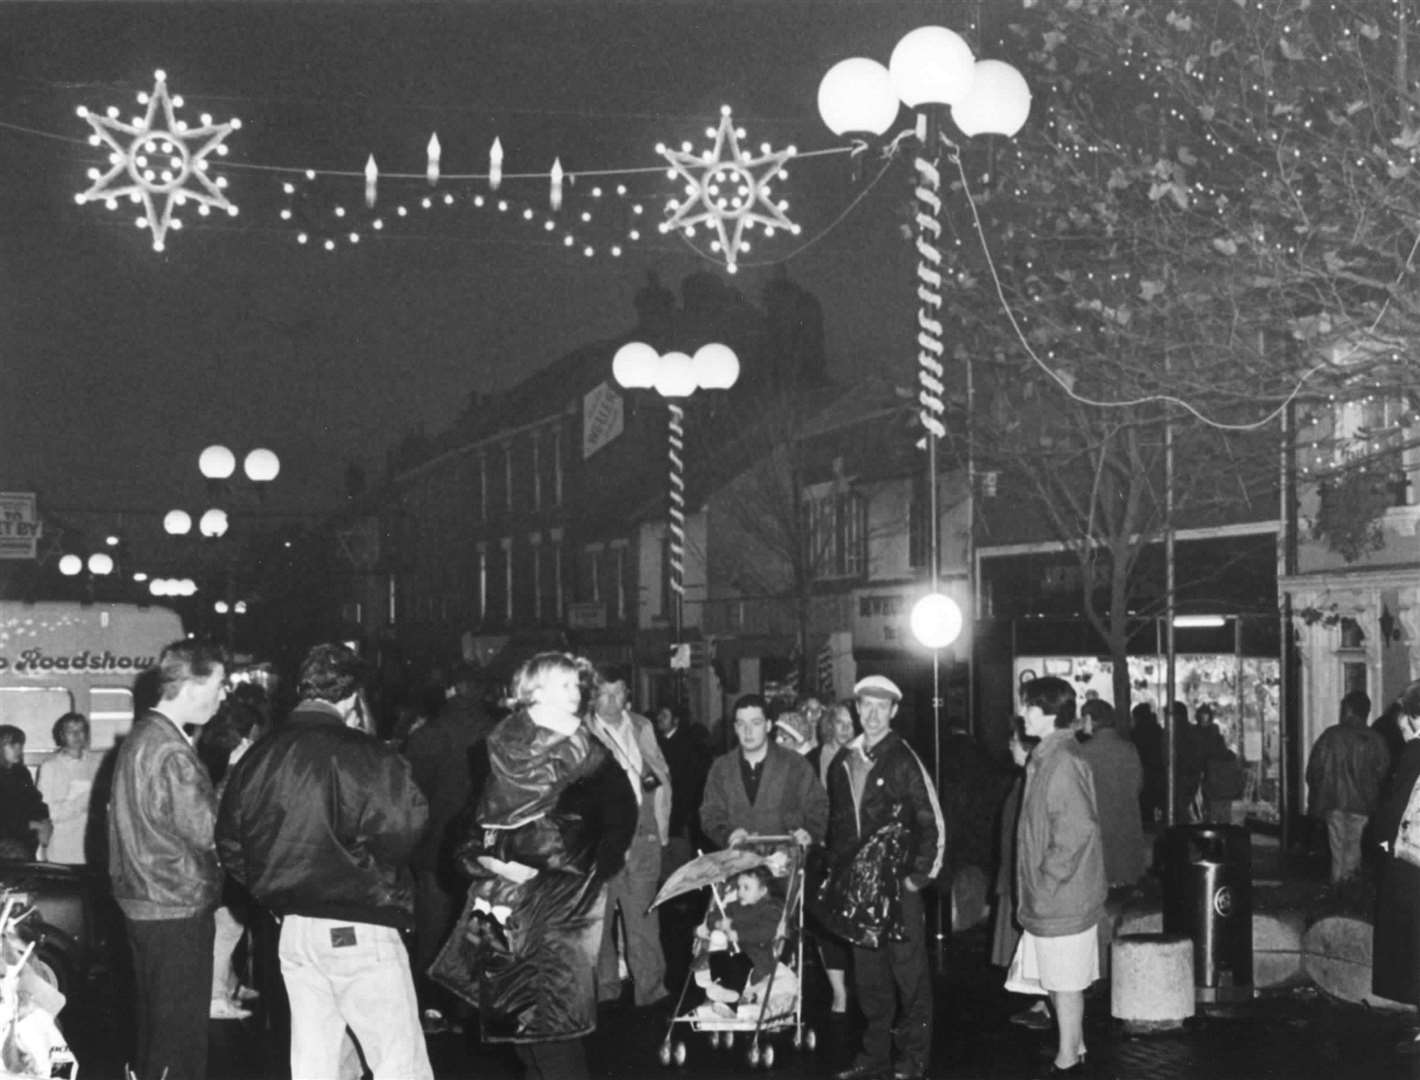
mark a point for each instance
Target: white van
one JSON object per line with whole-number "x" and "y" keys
{"x": 67, "y": 657}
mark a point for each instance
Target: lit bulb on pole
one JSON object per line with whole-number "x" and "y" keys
{"x": 434, "y": 150}
{"x": 495, "y": 164}
{"x": 936, "y": 620}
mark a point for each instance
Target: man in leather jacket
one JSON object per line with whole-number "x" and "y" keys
{"x": 874, "y": 781}
{"x": 163, "y": 864}
{"x": 1348, "y": 764}
{"x": 319, "y": 821}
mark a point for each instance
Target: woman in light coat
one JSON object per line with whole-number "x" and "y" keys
{"x": 1060, "y": 878}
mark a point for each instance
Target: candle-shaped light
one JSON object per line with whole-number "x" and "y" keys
{"x": 434, "y": 150}
{"x": 495, "y": 164}
{"x": 372, "y": 174}
{"x": 555, "y": 196}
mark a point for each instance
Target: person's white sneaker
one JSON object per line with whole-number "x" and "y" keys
{"x": 227, "y": 1009}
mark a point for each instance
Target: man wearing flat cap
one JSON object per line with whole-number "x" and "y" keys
{"x": 875, "y": 780}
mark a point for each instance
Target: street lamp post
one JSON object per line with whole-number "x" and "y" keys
{"x": 932, "y": 70}
{"x": 676, "y": 376}
{"x": 218, "y": 465}
{"x": 97, "y": 565}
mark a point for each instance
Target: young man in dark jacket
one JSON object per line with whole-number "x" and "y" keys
{"x": 319, "y": 821}
{"x": 163, "y": 864}
{"x": 875, "y": 780}
{"x": 1347, "y": 766}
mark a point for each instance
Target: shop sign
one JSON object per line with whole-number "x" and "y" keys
{"x": 586, "y": 616}
{"x": 602, "y": 418}
{"x": 880, "y": 617}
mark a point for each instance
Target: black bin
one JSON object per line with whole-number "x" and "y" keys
{"x": 1207, "y": 878}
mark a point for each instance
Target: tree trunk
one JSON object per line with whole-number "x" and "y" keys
{"x": 1118, "y": 640}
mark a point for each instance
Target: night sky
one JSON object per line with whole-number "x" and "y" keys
{"x": 118, "y": 364}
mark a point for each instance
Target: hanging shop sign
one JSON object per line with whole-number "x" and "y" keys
{"x": 20, "y": 527}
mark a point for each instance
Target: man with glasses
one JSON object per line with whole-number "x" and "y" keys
{"x": 163, "y": 862}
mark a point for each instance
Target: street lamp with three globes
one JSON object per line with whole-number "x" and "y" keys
{"x": 676, "y": 376}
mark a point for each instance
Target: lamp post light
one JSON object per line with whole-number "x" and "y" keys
{"x": 932, "y": 70}
{"x": 97, "y": 565}
{"x": 676, "y": 376}
{"x": 218, "y": 466}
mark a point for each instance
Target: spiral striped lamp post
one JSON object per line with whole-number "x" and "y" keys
{"x": 675, "y": 376}
{"x": 933, "y": 72}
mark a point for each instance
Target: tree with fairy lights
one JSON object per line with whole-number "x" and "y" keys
{"x": 1208, "y": 234}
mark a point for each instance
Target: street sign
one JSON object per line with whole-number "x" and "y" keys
{"x": 603, "y": 418}
{"x": 19, "y": 525}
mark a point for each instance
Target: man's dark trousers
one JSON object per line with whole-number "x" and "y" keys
{"x": 172, "y": 977}
{"x": 897, "y": 969}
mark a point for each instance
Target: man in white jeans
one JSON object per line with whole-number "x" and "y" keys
{"x": 318, "y": 821}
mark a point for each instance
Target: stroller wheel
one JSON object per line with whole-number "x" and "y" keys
{"x": 810, "y": 1039}
{"x": 766, "y": 1057}
{"x": 679, "y": 1053}
{"x": 753, "y": 1056}
{"x": 665, "y": 1053}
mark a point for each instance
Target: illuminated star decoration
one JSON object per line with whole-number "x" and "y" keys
{"x": 728, "y": 189}
{"x": 158, "y": 161}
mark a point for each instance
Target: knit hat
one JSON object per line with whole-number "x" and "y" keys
{"x": 800, "y": 729}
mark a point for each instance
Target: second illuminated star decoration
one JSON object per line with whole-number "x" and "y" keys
{"x": 727, "y": 190}
{"x": 158, "y": 161}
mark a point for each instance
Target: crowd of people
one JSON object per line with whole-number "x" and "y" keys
{"x": 495, "y": 864}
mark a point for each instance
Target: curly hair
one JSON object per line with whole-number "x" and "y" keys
{"x": 330, "y": 672}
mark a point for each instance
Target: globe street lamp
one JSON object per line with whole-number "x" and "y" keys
{"x": 932, "y": 70}
{"x": 676, "y": 376}
{"x": 97, "y": 565}
{"x": 218, "y": 465}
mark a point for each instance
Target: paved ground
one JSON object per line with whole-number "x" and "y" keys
{"x": 1290, "y": 1034}
{"x": 1282, "y": 1035}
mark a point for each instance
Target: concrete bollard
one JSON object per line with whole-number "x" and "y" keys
{"x": 1152, "y": 988}
{"x": 1337, "y": 957}
{"x": 1276, "y": 948}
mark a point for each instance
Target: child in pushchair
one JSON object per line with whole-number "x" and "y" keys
{"x": 748, "y": 952}
{"x": 737, "y": 963}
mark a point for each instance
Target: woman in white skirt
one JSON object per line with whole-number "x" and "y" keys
{"x": 1060, "y": 880}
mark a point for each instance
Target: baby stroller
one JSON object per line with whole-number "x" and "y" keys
{"x": 762, "y": 1009}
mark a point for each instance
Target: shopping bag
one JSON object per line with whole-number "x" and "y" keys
{"x": 1407, "y": 840}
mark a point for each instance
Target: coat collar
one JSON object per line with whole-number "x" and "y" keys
{"x": 860, "y": 746}
{"x": 315, "y": 711}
